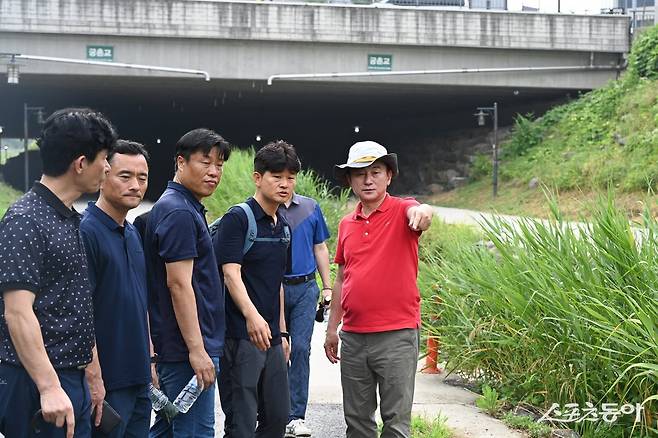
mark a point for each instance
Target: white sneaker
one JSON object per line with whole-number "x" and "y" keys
{"x": 297, "y": 428}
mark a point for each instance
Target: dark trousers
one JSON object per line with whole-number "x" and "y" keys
{"x": 134, "y": 407}
{"x": 20, "y": 400}
{"x": 253, "y": 387}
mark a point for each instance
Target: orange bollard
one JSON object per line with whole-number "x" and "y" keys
{"x": 431, "y": 360}
{"x": 432, "y": 356}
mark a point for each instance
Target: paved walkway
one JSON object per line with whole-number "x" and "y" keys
{"x": 468, "y": 217}
{"x": 433, "y": 397}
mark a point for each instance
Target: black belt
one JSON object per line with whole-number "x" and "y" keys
{"x": 299, "y": 280}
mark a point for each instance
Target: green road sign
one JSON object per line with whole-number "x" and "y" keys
{"x": 100, "y": 53}
{"x": 380, "y": 62}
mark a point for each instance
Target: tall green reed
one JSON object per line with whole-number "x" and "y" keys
{"x": 555, "y": 313}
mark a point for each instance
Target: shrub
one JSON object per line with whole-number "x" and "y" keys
{"x": 489, "y": 401}
{"x": 527, "y": 134}
{"x": 481, "y": 166}
{"x": 422, "y": 427}
{"x": 643, "y": 60}
{"x": 522, "y": 422}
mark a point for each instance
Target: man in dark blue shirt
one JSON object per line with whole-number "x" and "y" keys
{"x": 120, "y": 370}
{"x": 186, "y": 299}
{"x": 253, "y": 382}
{"x": 46, "y": 328}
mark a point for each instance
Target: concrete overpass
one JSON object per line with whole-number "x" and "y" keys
{"x": 241, "y": 44}
{"x": 238, "y": 40}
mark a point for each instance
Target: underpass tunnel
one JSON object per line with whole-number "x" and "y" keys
{"x": 319, "y": 118}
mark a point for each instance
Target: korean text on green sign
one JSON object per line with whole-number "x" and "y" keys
{"x": 100, "y": 53}
{"x": 380, "y": 62}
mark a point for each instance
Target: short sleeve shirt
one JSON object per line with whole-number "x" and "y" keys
{"x": 140, "y": 225}
{"x": 177, "y": 230}
{"x": 41, "y": 251}
{"x": 379, "y": 254}
{"x": 262, "y": 266}
{"x": 117, "y": 272}
{"x": 308, "y": 229}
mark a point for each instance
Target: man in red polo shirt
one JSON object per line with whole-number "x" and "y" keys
{"x": 376, "y": 295}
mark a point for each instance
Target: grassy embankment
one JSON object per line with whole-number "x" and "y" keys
{"x": 607, "y": 138}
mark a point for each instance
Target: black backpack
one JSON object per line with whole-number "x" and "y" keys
{"x": 252, "y": 230}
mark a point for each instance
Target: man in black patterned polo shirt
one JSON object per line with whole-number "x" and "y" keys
{"x": 46, "y": 313}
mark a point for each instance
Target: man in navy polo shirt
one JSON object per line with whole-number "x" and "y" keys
{"x": 186, "y": 300}
{"x": 119, "y": 371}
{"x": 309, "y": 253}
{"x": 47, "y": 326}
{"x": 253, "y": 381}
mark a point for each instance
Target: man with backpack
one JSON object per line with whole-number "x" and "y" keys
{"x": 253, "y": 382}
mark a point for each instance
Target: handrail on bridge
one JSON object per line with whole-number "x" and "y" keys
{"x": 444, "y": 71}
{"x": 108, "y": 64}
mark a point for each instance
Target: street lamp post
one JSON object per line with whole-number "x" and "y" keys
{"x": 26, "y": 110}
{"x": 1, "y": 131}
{"x": 12, "y": 71}
{"x": 483, "y": 112}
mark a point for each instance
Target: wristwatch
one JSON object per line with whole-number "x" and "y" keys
{"x": 285, "y": 335}
{"x": 154, "y": 358}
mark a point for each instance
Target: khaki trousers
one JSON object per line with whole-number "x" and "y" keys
{"x": 385, "y": 361}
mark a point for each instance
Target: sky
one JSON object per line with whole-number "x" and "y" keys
{"x": 566, "y": 6}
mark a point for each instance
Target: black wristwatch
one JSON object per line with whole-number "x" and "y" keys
{"x": 285, "y": 335}
{"x": 154, "y": 358}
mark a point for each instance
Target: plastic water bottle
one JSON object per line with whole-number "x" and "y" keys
{"x": 158, "y": 399}
{"x": 160, "y": 402}
{"x": 188, "y": 396}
